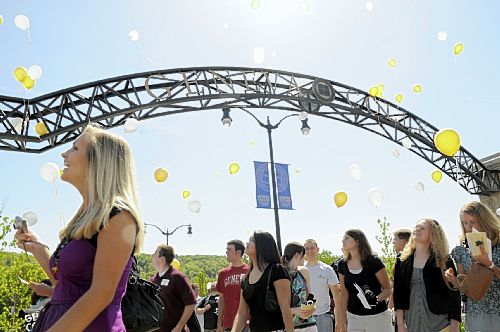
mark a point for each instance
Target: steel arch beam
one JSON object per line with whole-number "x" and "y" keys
{"x": 111, "y": 102}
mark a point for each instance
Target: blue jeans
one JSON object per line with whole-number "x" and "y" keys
{"x": 324, "y": 322}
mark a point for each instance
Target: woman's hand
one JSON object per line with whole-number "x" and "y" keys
{"x": 483, "y": 259}
{"x": 28, "y": 240}
{"x": 42, "y": 289}
{"x": 451, "y": 278}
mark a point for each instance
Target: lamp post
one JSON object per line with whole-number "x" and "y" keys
{"x": 226, "y": 122}
{"x": 167, "y": 233}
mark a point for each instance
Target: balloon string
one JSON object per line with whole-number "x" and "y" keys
{"x": 29, "y": 35}
{"x": 148, "y": 59}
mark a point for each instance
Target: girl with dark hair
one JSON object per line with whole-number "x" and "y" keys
{"x": 265, "y": 272}
{"x": 364, "y": 287}
{"x": 293, "y": 261}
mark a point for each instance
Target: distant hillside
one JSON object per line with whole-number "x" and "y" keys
{"x": 191, "y": 265}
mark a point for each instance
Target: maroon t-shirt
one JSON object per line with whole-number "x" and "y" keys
{"x": 176, "y": 293}
{"x": 228, "y": 284}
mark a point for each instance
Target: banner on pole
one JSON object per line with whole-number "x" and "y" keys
{"x": 262, "y": 188}
{"x": 283, "y": 184}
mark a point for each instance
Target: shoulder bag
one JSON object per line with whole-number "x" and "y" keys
{"x": 142, "y": 307}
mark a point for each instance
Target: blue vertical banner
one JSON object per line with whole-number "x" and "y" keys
{"x": 283, "y": 184}
{"x": 262, "y": 188}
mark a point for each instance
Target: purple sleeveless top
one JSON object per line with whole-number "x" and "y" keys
{"x": 74, "y": 275}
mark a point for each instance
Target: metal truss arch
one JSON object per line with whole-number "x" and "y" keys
{"x": 111, "y": 102}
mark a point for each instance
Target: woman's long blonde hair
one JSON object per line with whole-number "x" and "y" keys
{"x": 110, "y": 183}
{"x": 438, "y": 244}
{"x": 485, "y": 217}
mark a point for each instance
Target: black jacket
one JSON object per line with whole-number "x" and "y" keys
{"x": 440, "y": 299}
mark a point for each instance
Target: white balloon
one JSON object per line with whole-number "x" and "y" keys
{"x": 226, "y": 25}
{"x": 35, "y": 72}
{"x": 22, "y": 22}
{"x": 131, "y": 125}
{"x": 369, "y": 6}
{"x": 259, "y": 54}
{"x": 194, "y": 206}
{"x": 498, "y": 212}
{"x": 17, "y": 123}
{"x": 355, "y": 171}
{"x": 406, "y": 143}
{"x": 49, "y": 172}
{"x": 442, "y": 35}
{"x": 375, "y": 196}
{"x": 31, "y": 218}
{"x": 133, "y": 35}
{"x": 419, "y": 186}
{"x": 396, "y": 153}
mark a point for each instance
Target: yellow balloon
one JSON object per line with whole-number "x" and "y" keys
{"x": 20, "y": 73}
{"x": 255, "y": 4}
{"x": 161, "y": 174}
{"x": 399, "y": 98}
{"x": 380, "y": 87}
{"x": 1, "y": 19}
{"x": 437, "y": 175}
{"x": 340, "y": 198}
{"x": 379, "y": 94}
{"x": 28, "y": 83}
{"x": 41, "y": 129}
{"x": 391, "y": 63}
{"x": 458, "y": 48}
{"x": 447, "y": 141}
{"x": 417, "y": 88}
{"x": 176, "y": 264}
{"x": 186, "y": 193}
{"x": 234, "y": 168}
{"x": 373, "y": 91}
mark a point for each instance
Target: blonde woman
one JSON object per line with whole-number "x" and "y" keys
{"x": 91, "y": 265}
{"x": 483, "y": 315}
{"x": 422, "y": 299}
{"x": 364, "y": 287}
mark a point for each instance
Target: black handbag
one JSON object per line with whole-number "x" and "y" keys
{"x": 271, "y": 302}
{"x": 142, "y": 307}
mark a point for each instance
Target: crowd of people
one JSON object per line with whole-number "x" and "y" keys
{"x": 89, "y": 269}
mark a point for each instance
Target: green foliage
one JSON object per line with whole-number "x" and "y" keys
{"x": 13, "y": 294}
{"x": 202, "y": 280}
{"x": 327, "y": 257}
{"x": 6, "y": 233}
{"x": 385, "y": 240}
{"x": 191, "y": 265}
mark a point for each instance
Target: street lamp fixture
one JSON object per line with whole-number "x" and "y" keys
{"x": 226, "y": 122}
{"x": 305, "y": 127}
{"x": 167, "y": 233}
{"x": 226, "y": 119}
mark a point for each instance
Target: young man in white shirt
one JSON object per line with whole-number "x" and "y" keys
{"x": 323, "y": 279}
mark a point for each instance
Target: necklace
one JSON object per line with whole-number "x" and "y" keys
{"x": 57, "y": 253}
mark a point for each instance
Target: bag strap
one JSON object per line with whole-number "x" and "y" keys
{"x": 269, "y": 278}
{"x": 441, "y": 267}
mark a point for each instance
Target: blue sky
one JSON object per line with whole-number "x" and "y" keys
{"x": 80, "y": 42}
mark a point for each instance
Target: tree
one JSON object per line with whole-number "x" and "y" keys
{"x": 327, "y": 257}
{"x": 385, "y": 240}
{"x": 13, "y": 294}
